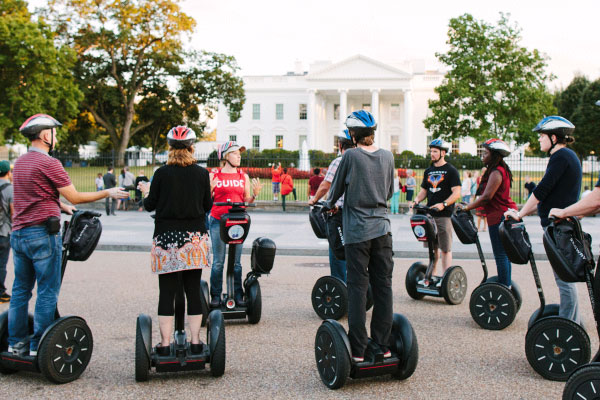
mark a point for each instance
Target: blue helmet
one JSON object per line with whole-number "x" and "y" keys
{"x": 361, "y": 119}
{"x": 555, "y": 125}
{"x": 345, "y": 135}
{"x": 439, "y": 144}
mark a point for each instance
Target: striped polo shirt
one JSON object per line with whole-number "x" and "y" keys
{"x": 36, "y": 180}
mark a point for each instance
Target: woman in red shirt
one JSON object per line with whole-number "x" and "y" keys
{"x": 287, "y": 187}
{"x": 496, "y": 200}
{"x": 228, "y": 184}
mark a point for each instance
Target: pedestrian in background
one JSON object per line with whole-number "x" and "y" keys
{"x": 465, "y": 190}
{"x": 314, "y": 182}
{"x": 6, "y": 212}
{"x": 110, "y": 182}
{"x": 529, "y": 185}
{"x": 276, "y": 179}
{"x": 138, "y": 194}
{"x": 480, "y": 211}
{"x": 99, "y": 182}
{"x": 411, "y": 184}
{"x": 394, "y": 202}
{"x": 287, "y": 187}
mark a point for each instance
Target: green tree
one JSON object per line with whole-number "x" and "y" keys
{"x": 494, "y": 87}
{"x": 35, "y": 75}
{"x": 587, "y": 121}
{"x": 568, "y": 100}
{"x": 125, "y": 49}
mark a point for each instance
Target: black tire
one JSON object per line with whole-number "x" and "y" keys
{"x": 493, "y": 306}
{"x": 556, "y": 346}
{"x": 142, "y": 358}
{"x": 4, "y": 339}
{"x": 331, "y": 355}
{"x": 409, "y": 355}
{"x": 369, "y": 298}
{"x": 217, "y": 354}
{"x": 330, "y": 298}
{"x": 516, "y": 291}
{"x": 550, "y": 310}
{"x": 454, "y": 285}
{"x": 254, "y": 310}
{"x": 415, "y": 273}
{"x": 583, "y": 383}
{"x": 66, "y": 350}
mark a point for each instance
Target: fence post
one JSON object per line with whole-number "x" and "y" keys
{"x": 520, "y": 175}
{"x": 592, "y": 173}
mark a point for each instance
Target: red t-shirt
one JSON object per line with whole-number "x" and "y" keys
{"x": 230, "y": 187}
{"x": 36, "y": 180}
{"x": 314, "y": 182}
{"x": 501, "y": 200}
{"x": 276, "y": 174}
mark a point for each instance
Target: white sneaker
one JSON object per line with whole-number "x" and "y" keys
{"x": 33, "y": 353}
{"x": 10, "y": 349}
{"x": 358, "y": 359}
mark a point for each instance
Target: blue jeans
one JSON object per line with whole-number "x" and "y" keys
{"x": 337, "y": 267}
{"x": 4, "y": 252}
{"x": 37, "y": 257}
{"x": 502, "y": 263}
{"x": 219, "y": 250}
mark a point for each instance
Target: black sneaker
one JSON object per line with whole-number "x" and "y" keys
{"x": 163, "y": 351}
{"x": 239, "y": 300}
{"x": 4, "y": 298}
{"x": 215, "y": 302}
{"x": 197, "y": 348}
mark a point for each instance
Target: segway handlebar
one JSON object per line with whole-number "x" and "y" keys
{"x": 418, "y": 207}
{"x": 235, "y": 204}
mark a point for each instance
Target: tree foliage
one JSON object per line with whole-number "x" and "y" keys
{"x": 494, "y": 87}
{"x": 131, "y": 57}
{"x": 35, "y": 75}
{"x": 587, "y": 121}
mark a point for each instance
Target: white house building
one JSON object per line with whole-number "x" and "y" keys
{"x": 286, "y": 110}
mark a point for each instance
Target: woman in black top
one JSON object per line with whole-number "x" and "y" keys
{"x": 559, "y": 188}
{"x": 180, "y": 194}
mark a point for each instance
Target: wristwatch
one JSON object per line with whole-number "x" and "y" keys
{"x": 445, "y": 204}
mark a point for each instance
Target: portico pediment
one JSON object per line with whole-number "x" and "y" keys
{"x": 358, "y": 67}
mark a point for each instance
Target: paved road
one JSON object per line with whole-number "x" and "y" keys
{"x": 275, "y": 359}
{"x": 293, "y": 235}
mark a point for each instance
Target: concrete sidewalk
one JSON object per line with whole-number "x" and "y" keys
{"x": 291, "y": 231}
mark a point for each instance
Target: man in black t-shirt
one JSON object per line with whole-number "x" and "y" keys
{"x": 441, "y": 186}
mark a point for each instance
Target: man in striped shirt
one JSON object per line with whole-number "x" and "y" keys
{"x": 38, "y": 181}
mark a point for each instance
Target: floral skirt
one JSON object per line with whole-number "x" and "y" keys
{"x": 174, "y": 251}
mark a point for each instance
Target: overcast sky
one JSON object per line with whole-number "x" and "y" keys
{"x": 268, "y": 36}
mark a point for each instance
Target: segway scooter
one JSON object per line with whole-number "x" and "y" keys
{"x": 570, "y": 254}
{"x": 66, "y": 346}
{"x": 420, "y": 282}
{"x": 329, "y": 295}
{"x": 235, "y": 226}
{"x": 493, "y": 305}
{"x": 180, "y": 357}
{"x": 554, "y": 346}
{"x": 334, "y": 360}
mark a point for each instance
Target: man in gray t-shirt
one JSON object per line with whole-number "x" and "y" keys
{"x": 365, "y": 177}
{"x": 6, "y": 208}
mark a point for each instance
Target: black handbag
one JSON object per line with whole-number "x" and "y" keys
{"x": 569, "y": 250}
{"x": 515, "y": 241}
{"x": 82, "y": 235}
{"x": 335, "y": 235}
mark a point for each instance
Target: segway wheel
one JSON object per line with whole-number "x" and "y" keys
{"x": 556, "y": 346}
{"x": 142, "y": 358}
{"x": 516, "y": 291}
{"x": 415, "y": 273}
{"x": 204, "y": 301}
{"x": 254, "y": 310}
{"x": 66, "y": 350}
{"x": 550, "y": 310}
{"x": 493, "y": 306}
{"x": 454, "y": 285}
{"x": 4, "y": 339}
{"x": 216, "y": 328}
{"x": 583, "y": 383}
{"x": 331, "y": 354}
{"x": 330, "y": 298}
{"x": 406, "y": 345}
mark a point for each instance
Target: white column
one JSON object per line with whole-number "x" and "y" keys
{"x": 408, "y": 132}
{"x": 375, "y": 112}
{"x": 312, "y": 119}
{"x": 343, "y": 108}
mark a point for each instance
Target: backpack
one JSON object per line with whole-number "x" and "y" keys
{"x": 82, "y": 235}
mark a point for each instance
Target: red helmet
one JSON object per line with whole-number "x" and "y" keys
{"x": 181, "y": 137}
{"x": 37, "y": 123}
{"x": 498, "y": 146}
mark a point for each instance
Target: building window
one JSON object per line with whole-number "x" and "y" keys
{"x": 395, "y": 112}
{"x": 366, "y": 107}
{"x": 395, "y": 143}
{"x": 233, "y": 138}
{"x": 302, "y": 139}
{"x": 279, "y": 111}
{"x": 302, "y": 111}
{"x": 429, "y": 139}
{"x": 255, "y": 111}
{"x": 256, "y": 142}
{"x": 336, "y": 111}
{"x": 455, "y": 147}
{"x": 279, "y": 141}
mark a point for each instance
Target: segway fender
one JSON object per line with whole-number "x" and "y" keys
{"x": 56, "y": 321}
{"x": 342, "y": 332}
{"x": 403, "y": 333}
{"x": 145, "y": 323}
{"x": 204, "y": 301}
{"x": 215, "y": 322}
